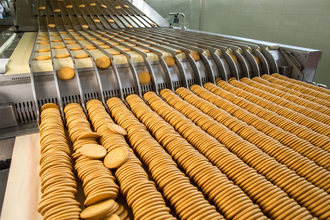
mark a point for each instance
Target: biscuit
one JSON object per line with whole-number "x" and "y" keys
{"x": 43, "y": 50}
{"x": 195, "y": 55}
{"x": 97, "y": 210}
{"x": 97, "y": 20}
{"x": 144, "y": 77}
{"x": 42, "y": 8}
{"x": 51, "y": 25}
{"x": 93, "y": 151}
{"x": 92, "y": 4}
{"x": 102, "y": 62}
{"x": 49, "y": 105}
{"x": 116, "y": 157}
{"x": 114, "y": 52}
{"x": 75, "y": 48}
{"x": 90, "y": 47}
{"x": 58, "y": 56}
{"x": 81, "y": 6}
{"x": 104, "y": 6}
{"x": 65, "y": 73}
{"x": 116, "y": 129}
{"x": 69, "y": 6}
{"x": 43, "y": 58}
{"x": 111, "y": 21}
{"x": 85, "y": 26}
{"x": 57, "y": 10}
{"x": 169, "y": 61}
{"x": 58, "y": 47}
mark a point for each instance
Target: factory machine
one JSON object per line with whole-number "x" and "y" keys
{"x": 143, "y": 39}
{"x": 161, "y": 122}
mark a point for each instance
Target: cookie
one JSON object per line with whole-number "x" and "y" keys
{"x": 144, "y": 77}
{"x": 43, "y": 58}
{"x": 116, "y": 157}
{"x": 169, "y": 61}
{"x": 65, "y": 73}
{"x": 93, "y": 151}
{"x": 97, "y": 210}
{"x": 43, "y": 50}
{"x": 59, "y": 47}
{"x": 59, "y": 56}
{"x": 102, "y": 62}
{"x": 75, "y": 48}
{"x": 117, "y": 129}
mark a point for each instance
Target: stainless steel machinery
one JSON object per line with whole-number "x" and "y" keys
{"x": 143, "y": 39}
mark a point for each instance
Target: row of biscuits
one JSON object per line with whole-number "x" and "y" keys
{"x": 58, "y": 184}
{"x": 187, "y": 201}
{"x": 299, "y": 86}
{"x": 319, "y": 176}
{"x": 296, "y": 104}
{"x": 285, "y": 112}
{"x": 313, "y": 103}
{"x": 264, "y": 79}
{"x": 133, "y": 180}
{"x": 301, "y": 146}
{"x": 288, "y": 180}
{"x": 233, "y": 203}
{"x": 233, "y": 95}
{"x": 274, "y": 202}
{"x": 98, "y": 183}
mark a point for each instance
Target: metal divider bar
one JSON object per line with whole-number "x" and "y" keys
{"x": 128, "y": 56}
{"x": 160, "y": 56}
{"x": 143, "y": 54}
{"x": 185, "y": 50}
{"x": 82, "y": 97}
{"x": 54, "y": 71}
{"x": 232, "y": 63}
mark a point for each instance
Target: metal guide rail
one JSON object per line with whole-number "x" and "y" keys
{"x": 134, "y": 43}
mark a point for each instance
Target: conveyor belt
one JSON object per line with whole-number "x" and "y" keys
{"x": 249, "y": 160}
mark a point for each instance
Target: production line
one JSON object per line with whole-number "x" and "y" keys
{"x": 141, "y": 121}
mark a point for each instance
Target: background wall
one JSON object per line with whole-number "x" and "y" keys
{"x": 303, "y": 23}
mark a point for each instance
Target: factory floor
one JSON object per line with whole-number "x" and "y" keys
{"x": 6, "y": 150}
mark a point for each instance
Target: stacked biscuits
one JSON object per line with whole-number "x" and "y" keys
{"x": 98, "y": 182}
{"x": 228, "y": 151}
{"x": 234, "y": 203}
{"x": 140, "y": 193}
{"x": 58, "y": 184}
{"x": 187, "y": 201}
{"x": 286, "y": 138}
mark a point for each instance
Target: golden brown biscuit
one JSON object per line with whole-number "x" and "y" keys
{"x": 43, "y": 58}
{"x": 117, "y": 129}
{"x": 43, "y": 50}
{"x": 102, "y": 62}
{"x": 58, "y": 56}
{"x": 93, "y": 151}
{"x": 169, "y": 61}
{"x": 65, "y": 73}
{"x": 75, "y": 48}
{"x": 58, "y": 47}
{"x": 116, "y": 157}
{"x": 144, "y": 77}
{"x": 97, "y": 210}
